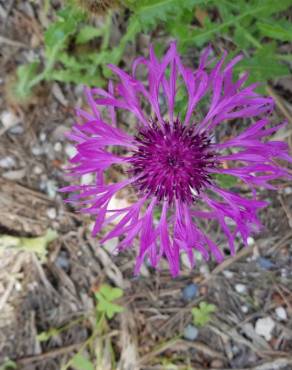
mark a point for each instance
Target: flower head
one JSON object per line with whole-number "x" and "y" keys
{"x": 172, "y": 159}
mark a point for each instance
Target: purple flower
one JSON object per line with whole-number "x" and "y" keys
{"x": 172, "y": 159}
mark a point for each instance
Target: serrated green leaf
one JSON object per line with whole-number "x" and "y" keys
{"x": 110, "y": 293}
{"x": 202, "y": 314}
{"x": 281, "y": 30}
{"x": 149, "y": 12}
{"x": 79, "y": 362}
{"x": 105, "y": 296}
{"x": 88, "y": 33}
{"x": 25, "y": 75}
{"x": 77, "y": 76}
{"x": 258, "y": 9}
{"x": 58, "y": 32}
{"x": 263, "y": 66}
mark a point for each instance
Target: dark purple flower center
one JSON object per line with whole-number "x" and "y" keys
{"x": 172, "y": 161}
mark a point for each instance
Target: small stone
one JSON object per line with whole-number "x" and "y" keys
{"x": 244, "y": 309}
{"x": 250, "y": 241}
{"x": 7, "y": 162}
{"x": 87, "y": 179}
{"x": 62, "y": 262}
{"x": 52, "y": 213}
{"x": 240, "y": 288}
{"x": 281, "y": 313}
{"x": 17, "y": 130}
{"x": 265, "y": 263}
{"x": 57, "y": 146}
{"x": 43, "y": 136}
{"x": 228, "y": 274}
{"x": 190, "y": 292}
{"x": 70, "y": 150}
{"x": 51, "y": 188}
{"x": 14, "y": 175}
{"x": 9, "y": 119}
{"x": 18, "y": 286}
{"x": 37, "y": 170}
{"x": 205, "y": 271}
{"x": 191, "y": 332}
{"x": 217, "y": 364}
{"x": 264, "y": 327}
{"x": 37, "y": 150}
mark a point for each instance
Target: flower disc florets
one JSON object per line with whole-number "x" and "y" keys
{"x": 172, "y": 161}
{"x": 174, "y": 164}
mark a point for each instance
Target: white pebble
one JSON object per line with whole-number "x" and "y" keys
{"x": 250, "y": 241}
{"x": 18, "y": 286}
{"x": 9, "y": 119}
{"x": 244, "y": 309}
{"x": 51, "y": 188}
{"x": 204, "y": 270}
{"x": 58, "y": 146}
{"x": 70, "y": 150}
{"x": 37, "y": 170}
{"x": 87, "y": 179}
{"x": 51, "y": 213}
{"x": 240, "y": 288}
{"x": 228, "y": 274}
{"x": 264, "y": 327}
{"x": 7, "y": 162}
{"x": 37, "y": 150}
{"x": 281, "y": 313}
{"x": 43, "y": 136}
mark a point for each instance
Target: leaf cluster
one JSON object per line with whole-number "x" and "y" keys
{"x": 202, "y": 314}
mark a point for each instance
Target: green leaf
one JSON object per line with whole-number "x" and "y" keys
{"x": 257, "y": 9}
{"x": 37, "y": 245}
{"x": 25, "y": 75}
{"x": 46, "y": 335}
{"x": 282, "y": 30}
{"x": 76, "y": 76}
{"x": 111, "y": 293}
{"x": 105, "y": 296}
{"x": 263, "y": 66}
{"x": 79, "y": 362}
{"x": 8, "y": 365}
{"x": 150, "y": 12}
{"x": 225, "y": 180}
{"x": 202, "y": 314}
{"x": 58, "y": 32}
{"x": 88, "y": 33}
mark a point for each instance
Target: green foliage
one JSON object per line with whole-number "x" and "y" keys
{"x": 36, "y": 245}
{"x": 8, "y": 365}
{"x": 76, "y": 51}
{"x": 79, "y": 362}
{"x": 202, "y": 314}
{"x": 69, "y": 56}
{"x": 105, "y": 297}
{"x": 151, "y": 12}
{"x": 225, "y": 181}
{"x": 105, "y": 308}
{"x": 25, "y": 74}
{"x": 253, "y": 26}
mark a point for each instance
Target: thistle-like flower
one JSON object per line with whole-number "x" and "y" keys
{"x": 172, "y": 160}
